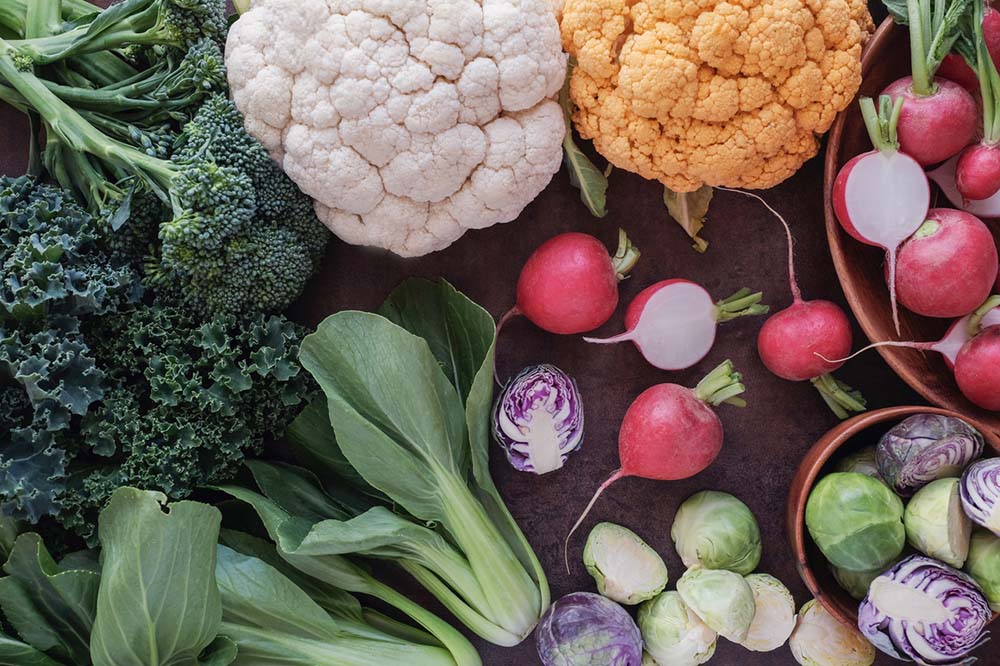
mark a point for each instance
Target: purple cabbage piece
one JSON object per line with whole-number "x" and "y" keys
{"x": 925, "y": 640}
{"x": 538, "y": 419}
{"x": 924, "y": 448}
{"x": 584, "y": 629}
{"x": 980, "y": 491}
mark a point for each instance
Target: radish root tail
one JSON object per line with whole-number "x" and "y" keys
{"x": 892, "y": 290}
{"x": 921, "y": 346}
{"x": 506, "y": 317}
{"x": 792, "y": 281}
{"x": 619, "y": 474}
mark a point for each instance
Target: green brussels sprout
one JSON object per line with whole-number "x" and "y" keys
{"x": 983, "y": 564}
{"x": 722, "y": 599}
{"x": 717, "y": 531}
{"x": 861, "y": 462}
{"x": 856, "y": 583}
{"x": 774, "y": 617}
{"x": 820, "y": 639}
{"x": 672, "y": 634}
{"x": 625, "y": 568}
{"x": 936, "y": 523}
{"x": 856, "y": 521}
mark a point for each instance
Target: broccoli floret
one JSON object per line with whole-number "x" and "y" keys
{"x": 51, "y": 256}
{"x": 130, "y": 25}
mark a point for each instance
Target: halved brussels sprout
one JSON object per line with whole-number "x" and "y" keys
{"x": 774, "y": 615}
{"x": 672, "y": 634}
{"x": 936, "y": 524}
{"x": 856, "y": 521}
{"x": 717, "y": 531}
{"x": 856, "y": 583}
{"x": 983, "y": 564}
{"x": 625, "y": 568}
{"x": 861, "y": 462}
{"x": 722, "y": 599}
{"x": 820, "y": 639}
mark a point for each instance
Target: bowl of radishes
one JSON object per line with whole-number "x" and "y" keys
{"x": 913, "y": 202}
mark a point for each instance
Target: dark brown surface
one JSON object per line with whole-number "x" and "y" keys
{"x": 845, "y": 439}
{"x": 860, "y": 266}
{"x": 764, "y": 442}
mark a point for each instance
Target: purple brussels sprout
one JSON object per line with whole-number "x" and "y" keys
{"x": 922, "y": 610}
{"x": 584, "y": 629}
{"x": 538, "y": 419}
{"x": 981, "y": 493}
{"x": 924, "y": 448}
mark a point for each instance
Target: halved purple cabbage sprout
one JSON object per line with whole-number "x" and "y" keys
{"x": 981, "y": 493}
{"x": 924, "y": 611}
{"x": 538, "y": 419}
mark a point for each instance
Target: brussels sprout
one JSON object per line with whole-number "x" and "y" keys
{"x": 583, "y": 629}
{"x": 856, "y": 521}
{"x": 924, "y": 448}
{"x": 936, "y": 525}
{"x": 647, "y": 660}
{"x": 862, "y": 462}
{"x": 672, "y": 634}
{"x": 717, "y": 531}
{"x": 774, "y": 617}
{"x": 538, "y": 419}
{"x": 820, "y": 639}
{"x": 722, "y": 599}
{"x": 922, "y": 610}
{"x": 981, "y": 493}
{"x": 983, "y": 564}
{"x": 626, "y": 569}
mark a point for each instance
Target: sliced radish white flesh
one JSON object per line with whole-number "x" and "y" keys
{"x": 944, "y": 176}
{"x": 676, "y": 328}
{"x": 887, "y": 197}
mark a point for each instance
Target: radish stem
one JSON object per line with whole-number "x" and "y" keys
{"x": 625, "y": 257}
{"x": 743, "y": 303}
{"x": 722, "y": 385}
{"x": 919, "y": 15}
{"x": 989, "y": 80}
{"x": 882, "y": 122}
{"x": 976, "y": 320}
{"x": 840, "y": 397}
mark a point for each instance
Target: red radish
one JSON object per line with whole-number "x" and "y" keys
{"x": 673, "y": 322}
{"x": 944, "y": 176}
{"x": 954, "y": 66}
{"x": 977, "y": 369}
{"x": 939, "y": 118}
{"x": 948, "y": 267}
{"x": 882, "y": 197}
{"x": 670, "y": 432}
{"x": 958, "y": 335}
{"x": 570, "y": 284}
{"x": 792, "y": 342}
{"x": 977, "y": 174}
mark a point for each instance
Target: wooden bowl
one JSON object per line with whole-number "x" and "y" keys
{"x": 847, "y": 438}
{"x": 860, "y": 267}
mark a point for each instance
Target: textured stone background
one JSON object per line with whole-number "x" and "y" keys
{"x": 764, "y": 442}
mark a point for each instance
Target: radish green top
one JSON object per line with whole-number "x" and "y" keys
{"x": 934, "y": 28}
{"x": 882, "y": 122}
{"x": 989, "y": 79}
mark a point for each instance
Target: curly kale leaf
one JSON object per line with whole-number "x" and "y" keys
{"x": 52, "y": 258}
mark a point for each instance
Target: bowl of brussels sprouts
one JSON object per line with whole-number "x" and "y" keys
{"x": 884, "y": 488}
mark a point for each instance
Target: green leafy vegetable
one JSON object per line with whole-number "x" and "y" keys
{"x": 158, "y": 601}
{"x": 415, "y": 425}
{"x": 689, "y": 210}
{"x": 584, "y": 176}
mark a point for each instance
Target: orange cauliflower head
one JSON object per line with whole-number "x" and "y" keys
{"x": 696, "y": 92}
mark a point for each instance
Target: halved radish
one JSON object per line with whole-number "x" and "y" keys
{"x": 881, "y": 198}
{"x": 673, "y": 322}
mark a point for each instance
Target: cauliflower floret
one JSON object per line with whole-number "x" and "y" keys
{"x": 716, "y": 92}
{"x": 407, "y": 121}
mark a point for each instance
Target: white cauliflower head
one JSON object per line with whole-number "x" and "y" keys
{"x": 407, "y": 121}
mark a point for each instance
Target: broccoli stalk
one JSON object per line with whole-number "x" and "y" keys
{"x": 130, "y": 24}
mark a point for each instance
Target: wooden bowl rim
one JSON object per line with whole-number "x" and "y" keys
{"x": 816, "y": 459}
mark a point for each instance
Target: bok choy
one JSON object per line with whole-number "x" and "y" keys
{"x": 408, "y": 394}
